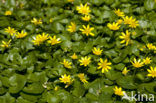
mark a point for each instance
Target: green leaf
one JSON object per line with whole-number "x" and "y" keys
{"x": 17, "y": 83}
{"x": 113, "y": 75}
{"x": 21, "y": 100}
{"x": 92, "y": 69}
{"x": 111, "y": 53}
{"x": 30, "y": 97}
{"x": 53, "y": 98}
{"x": 34, "y": 88}
{"x": 65, "y": 96}
{"x": 120, "y": 66}
{"x": 79, "y": 90}
{"x": 37, "y": 77}
{"x": 97, "y": 2}
{"x": 96, "y": 86}
{"x": 5, "y": 81}
{"x": 108, "y": 2}
{"x": 106, "y": 94}
{"x": 149, "y": 4}
{"x": 127, "y": 82}
{"x": 2, "y": 90}
{"x": 107, "y": 14}
{"x": 7, "y": 98}
{"x": 57, "y": 27}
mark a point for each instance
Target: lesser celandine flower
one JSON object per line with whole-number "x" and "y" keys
{"x": 72, "y": 27}
{"x": 150, "y": 46}
{"x": 119, "y": 13}
{"x": 147, "y": 60}
{"x": 125, "y": 71}
{"x": 8, "y": 12}
{"x": 10, "y": 30}
{"x": 87, "y": 30}
{"x": 21, "y": 34}
{"x": 39, "y": 39}
{"x": 125, "y": 37}
{"x": 51, "y": 20}
{"x": 97, "y": 51}
{"x": 5, "y": 44}
{"x": 66, "y": 64}
{"x": 113, "y": 26}
{"x": 74, "y": 56}
{"x": 53, "y": 40}
{"x": 137, "y": 63}
{"x": 142, "y": 48}
{"x": 152, "y": 72}
{"x": 119, "y": 21}
{"x": 133, "y": 33}
{"x": 71, "y": 0}
{"x": 86, "y": 18}
{"x": 82, "y": 78}
{"x": 127, "y": 20}
{"x": 133, "y": 23}
{"x": 83, "y": 9}
{"x": 56, "y": 88}
{"x": 36, "y": 21}
{"x": 85, "y": 61}
{"x": 66, "y": 79}
{"x": 118, "y": 91}
{"x": 104, "y": 65}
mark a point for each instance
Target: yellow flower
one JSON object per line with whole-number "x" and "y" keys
{"x": 5, "y": 44}
{"x": 147, "y": 60}
{"x": 86, "y": 18}
{"x": 36, "y": 22}
{"x": 66, "y": 80}
{"x": 87, "y": 30}
{"x": 39, "y": 39}
{"x": 125, "y": 71}
{"x": 133, "y": 33}
{"x": 97, "y": 51}
{"x": 82, "y": 78}
{"x": 142, "y": 48}
{"x": 114, "y": 26}
{"x": 66, "y": 64}
{"x": 152, "y": 72}
{"x": 125, "y": 37}
{"x": 85, "y": 61}
{"x": 127, "y": 20}
{"x": 53, "y": 40}
{"x": 10, "y": 30}
{"x": 150, "y": 46}
{"x": 118, "y": 91}
{"x": 8, "y": 12}
{"x": 83, "y": 9}
{"x": 120, "y": 21}
{"x": 74, "y": 56}
{"x": 51, "y": 20}
{"x": 119, "y": 13}
{"x": 56, "y": 88}
{"x": 136, "y": 63}
{"x": 133, "y": 23}
{"x": 70, "y": 0}
{"x": 21, "y": 35}
{"x": 72, "y": 27}
{"x": 104, "y": 65}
